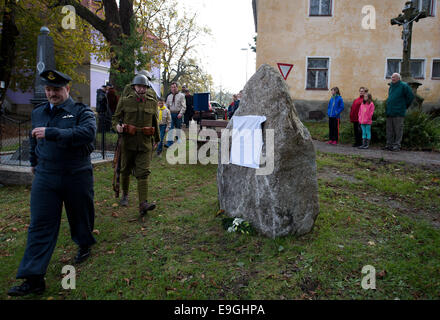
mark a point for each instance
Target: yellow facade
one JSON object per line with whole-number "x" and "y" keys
{"x": 287, "y": 34}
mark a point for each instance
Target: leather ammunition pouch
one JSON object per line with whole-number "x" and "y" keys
{"x": 131, "y": 130}
{"x": 148, "y": 131}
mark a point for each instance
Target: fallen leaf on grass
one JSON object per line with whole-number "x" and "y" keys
{"x": 111, "y": 251}
{"x": 114, "y": 205}
{"x": 381, "y": 274}
{"x": 64, "y": 259}
{"x": 14, "y": 229}
{"x": 127, "y": 280}
{"x": 220, "y": 212}
{"x": 114, "y": 214}
{"x": 371, "y": 243}
{"x": 215, "y": 284}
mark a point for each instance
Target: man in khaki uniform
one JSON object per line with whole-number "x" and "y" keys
{"x": 137, "y": 111}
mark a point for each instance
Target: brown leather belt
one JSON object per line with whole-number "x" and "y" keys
{"x": 131, "y": 130}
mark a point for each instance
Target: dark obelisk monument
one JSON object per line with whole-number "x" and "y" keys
{"x": 45, "y": 60}
{"x": 406, "y": 20}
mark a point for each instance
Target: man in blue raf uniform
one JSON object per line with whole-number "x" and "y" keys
{"x": 61, "y": 143}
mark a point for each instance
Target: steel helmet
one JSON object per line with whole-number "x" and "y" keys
{"x": 146, "y": 73}
{"x": 140, "y": 79}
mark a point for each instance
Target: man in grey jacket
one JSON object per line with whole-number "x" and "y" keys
{"x": 177, "y": 105}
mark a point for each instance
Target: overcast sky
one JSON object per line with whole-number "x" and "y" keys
{"x": 232, "y": 26}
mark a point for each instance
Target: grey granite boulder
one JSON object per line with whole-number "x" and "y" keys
{"x": 284, "y": 202}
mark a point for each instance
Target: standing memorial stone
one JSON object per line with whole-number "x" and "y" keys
{"x": 285, "y": 201}
{"x": 45, "y": 60}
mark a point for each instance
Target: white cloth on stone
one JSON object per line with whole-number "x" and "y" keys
{"x": 247, "y": 141}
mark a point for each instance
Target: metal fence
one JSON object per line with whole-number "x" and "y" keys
{"x": 105, "y": 140}
{"x": 14, "y": 141}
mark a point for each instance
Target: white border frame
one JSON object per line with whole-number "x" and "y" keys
{"x": 328, "y": 75}
{"x": 320, "y": 17}
{"x": 432, "y": 69}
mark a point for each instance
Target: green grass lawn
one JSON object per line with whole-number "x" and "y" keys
{"x": 371, "y": 213}
{"x": 319, "y": 131}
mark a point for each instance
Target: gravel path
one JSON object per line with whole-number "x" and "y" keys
{"x": 422, "y": 158}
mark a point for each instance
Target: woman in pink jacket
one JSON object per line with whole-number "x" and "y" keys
{"x": 366, "y": 111}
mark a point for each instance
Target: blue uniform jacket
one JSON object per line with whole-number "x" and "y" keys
{"x": 69, "y": 136}
{"x": 335, "y": 107}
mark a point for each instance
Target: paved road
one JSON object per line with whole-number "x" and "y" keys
{"x": 430, "y": 159}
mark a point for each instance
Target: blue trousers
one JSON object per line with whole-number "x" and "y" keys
{"x": 366, "y": 131}
{"x": 49, "y": 192}
{"x": 162, "y": 129}
{"x": 176, "y": 123}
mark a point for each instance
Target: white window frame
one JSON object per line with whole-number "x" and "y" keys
{"x": 328, "y": 72}
{"x": 434, "y": 7}
{"x": 324, "y": 16}
{"x": 424, "y": 67}
{"x": 386, "y": 65}
{"x": 400, "y": 66}
{"x": 432, "y": 69}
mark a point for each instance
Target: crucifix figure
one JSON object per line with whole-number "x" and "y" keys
{"x": 410, "y": 14}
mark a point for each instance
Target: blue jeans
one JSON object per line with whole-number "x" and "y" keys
{"x": 366, "y": 131}
{"x": 176, "y": 123}
{"x": 162, "y": 129}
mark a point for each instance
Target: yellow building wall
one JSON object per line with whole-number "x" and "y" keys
{"x": 286, "y": 34}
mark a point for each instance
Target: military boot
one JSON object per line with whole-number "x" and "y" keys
{"x": 32, "y": 284}
{"x": 145, "y": 206}
{"x": 124, "y": 200}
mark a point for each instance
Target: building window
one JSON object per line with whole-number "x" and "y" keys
{"x": 417, "y": 68}
{"x": 426, "y": 5}
{"x": 320, "y": 8}
{"x": 393, "y": 66}
{"x": 317, "y": 73}
{"x": 436, "y": 69}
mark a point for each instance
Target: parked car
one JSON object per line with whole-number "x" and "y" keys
{"x": 220, "y": 110}
{"x": 216, "y": 111}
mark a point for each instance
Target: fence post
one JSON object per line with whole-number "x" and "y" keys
{"x": 19, "y": 143}
{"x": 102, "y": 120}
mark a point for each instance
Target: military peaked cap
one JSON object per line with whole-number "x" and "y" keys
{"x": 54, "y": 78}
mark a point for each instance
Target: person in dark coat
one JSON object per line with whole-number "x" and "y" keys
{"x": 112, "y": 99}
{"x": 104, "y": 115}
{"x": 189, "y": 112}
{"x": 61, "y": 142}
{"x": 400, "y": 97}
{"x": 231, "y": 108}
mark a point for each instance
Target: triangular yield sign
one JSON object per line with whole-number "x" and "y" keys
{"x": 285, "y": 69}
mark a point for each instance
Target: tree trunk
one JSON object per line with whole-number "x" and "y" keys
{"x": 116, "y": 23}
{"x": 7, "y": 48}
